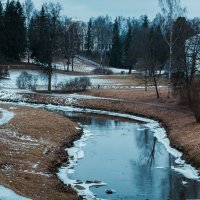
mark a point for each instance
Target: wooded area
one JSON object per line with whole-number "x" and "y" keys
{"x": 168, "y": 44}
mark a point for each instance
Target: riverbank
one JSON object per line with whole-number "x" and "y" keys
{"x": 32, "y": 148}
{"x": 179, "y": 122}
{"x": 181, "y": 126}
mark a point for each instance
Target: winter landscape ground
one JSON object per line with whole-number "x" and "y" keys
{"x": 107, "y": 109}
{"x": 33, "y": 141}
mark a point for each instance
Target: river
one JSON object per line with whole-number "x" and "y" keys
{"x": 129, "y": 159}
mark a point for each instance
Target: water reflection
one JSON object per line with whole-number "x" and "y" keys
{"x": 131, "y": 161}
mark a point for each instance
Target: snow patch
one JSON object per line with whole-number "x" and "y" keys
{"x": 7, "y": 116}
{"x": 7, "y": 194}
{"x": 75, "y": 153}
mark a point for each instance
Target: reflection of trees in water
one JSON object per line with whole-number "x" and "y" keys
{"x": 152, "y": 153}
{"x": 117, "y": 123}
{"x": 101, "y": 122}
{"x": 146, "y": 145}
{"x": 178, "y": 191}
{"x": 165, "y": 184}
{"x": 83, "y": 118}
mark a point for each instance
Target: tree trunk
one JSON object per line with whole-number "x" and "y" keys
{"x": 68, "y": 67}
{"x": 49, "y": 77}
{"x": 145, "y": 81}
{"x": 72, "y": 64}
{"x": 28, "y": 56}
{"x": 170, "y": 60}
{"x": 156, "y": 86}
{"x": 194, "y": 58}
{"x": 130, "y": 69}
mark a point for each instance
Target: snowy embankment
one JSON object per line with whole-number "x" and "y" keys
{"x": 6, "y": 116}
{"x": 5, "y": 193}
{"x": 56, "y": 79}
{"x": 76, "y": 151}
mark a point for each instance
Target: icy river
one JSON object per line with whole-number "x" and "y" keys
{"x": 129, "y": 159}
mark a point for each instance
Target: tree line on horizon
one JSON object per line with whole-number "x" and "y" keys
{"x": 146, "y": 45}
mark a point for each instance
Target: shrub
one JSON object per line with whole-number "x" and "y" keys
{"x": 27, "y": 81}
{"x": 194, "y": 99}
{"x": 75, "y": 84}
{"x": 190, "y": 95}
{"x": 4, "y": 73}
{"x": 102, "y": 71}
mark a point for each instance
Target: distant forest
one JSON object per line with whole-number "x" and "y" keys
{"x": 146, "y": 45}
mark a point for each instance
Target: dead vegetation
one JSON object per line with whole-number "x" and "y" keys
{"x": 32, "y": 147}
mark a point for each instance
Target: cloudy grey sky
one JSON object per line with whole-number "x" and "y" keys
{"x": 84, "y": 9}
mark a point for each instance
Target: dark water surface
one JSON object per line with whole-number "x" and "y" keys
{"x": 130, "y": 160}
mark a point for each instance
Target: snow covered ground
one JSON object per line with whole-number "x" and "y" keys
{"x": 7, "y": 194}
{"x": 82, "y": 64}
{"x": 57, "y": 78}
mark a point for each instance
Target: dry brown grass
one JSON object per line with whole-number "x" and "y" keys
{"x": 133, "y": 79}
{"x": 51, "y": 133}
{"x": 135, "y": 94}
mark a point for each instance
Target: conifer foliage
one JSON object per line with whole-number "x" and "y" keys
{"x": 12, "y": 31}
{"x": 116, "y": 51}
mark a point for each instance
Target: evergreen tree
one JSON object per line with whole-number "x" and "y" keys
{"x": 89, "y": 41}
{"x": 127, "y": 49}
{"x": 15, "y": 31}
{"x": 116, "y": 51}
{"x": 2, "y": 40}
{"x": 21, "y": 30}
{"x": 44, "y": 34}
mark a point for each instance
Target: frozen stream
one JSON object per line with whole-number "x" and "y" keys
{"x": 129, "y": 159}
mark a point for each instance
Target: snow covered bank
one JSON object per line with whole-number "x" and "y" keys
{"x": 6, "y": 116}
{"x": 7, "y": 194}
{"x": 75, "y": 153}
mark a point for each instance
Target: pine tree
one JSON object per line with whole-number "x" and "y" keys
{"x": 2, "y": 40}
{"x": 21, "y": 30}
{"x": 116, "y": 51}
{"x": 15, "y": 31}
{"x": 44, "y": 34}
{"x": 89, "y": 42}
{"x": 127, "y": 49}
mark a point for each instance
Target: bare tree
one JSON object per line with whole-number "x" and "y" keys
{"x": 192, "y": 57}
{"x": 171, "y": 10}
{"x": 28, "y": 8}
{"x": 71, "y": 41}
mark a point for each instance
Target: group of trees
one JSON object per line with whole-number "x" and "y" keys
{"x": 12, "y": 31}
{"x": 148, "y": 46}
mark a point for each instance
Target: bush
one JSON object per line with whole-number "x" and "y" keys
{"x": 27, "y": 81}
{"x": 75, "y": 84}
{"x": 4, "y": 73}
{"x": 190, "y": 95}
{"x": 194, "y": 99}
{"x": 102, "y": 71}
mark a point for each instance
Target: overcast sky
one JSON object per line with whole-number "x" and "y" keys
{"x": 84, "y": 9}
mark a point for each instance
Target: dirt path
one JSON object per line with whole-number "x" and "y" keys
{"x": 32, "y": 148}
